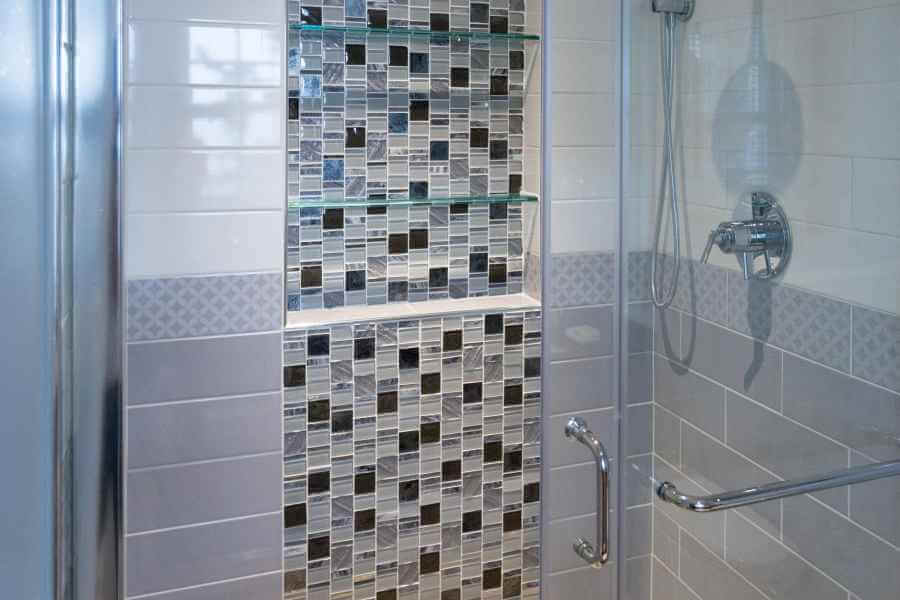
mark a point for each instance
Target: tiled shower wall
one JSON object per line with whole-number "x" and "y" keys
{"x": 756, "y": 382}
{"x": 413, "y": 458}
{"x": 203, "y": 197}
{"x": 372, "y": 117}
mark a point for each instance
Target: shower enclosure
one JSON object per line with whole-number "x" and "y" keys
{"x": 545, "y": 298}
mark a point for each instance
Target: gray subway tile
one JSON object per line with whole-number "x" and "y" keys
{"x": 582, "y": 583}
{"x": 665, "y": 539}
{"x": 638, "y": 531}
{"x": 582, "y": 279}
{"x": 667, "y": 333}
{"x": 640, "y": 378}
{"x": 667, "y": 435}
{"x": 708, "y": 528}
{"x": 638, "y": 429}
{"x": 201, "y": 306}
{"x": 638, "y": 582}
{"x": 562, "y": 451}
{"x": 690, "y": 397}
{"x": 876, "y": 504}
{"x": 804, "y": 323}
{"x": 784, "y": 447}
{"x": 862, "y": 416}
{"x": 668, "y": 587}
{"x": 263, "y": 587}
{"x": 710, "y": 577}
{"x": 172, "y": 496}
{"x": 718, "y": 468}
{"x": 876, "y": 347}
{"x": 192, "y": 431}
{"x": 572, "y": 491}
{"x": 638, "y": 478}
{"x": 640, "y": 327}
{"x": 702, "y": 289}
{"x": 581, "y": 385}
{"x": 862, "y": 563}
{"x": 581, "y": 332}
{"x": 190, "y": 556}
{"x": 203, "y": 368}
{"x": 773, "y": 568}
{"x": 559, "y": 536}
{"x": 745, "y": 365}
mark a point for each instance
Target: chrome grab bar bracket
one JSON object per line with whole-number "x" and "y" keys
{"x": 577, "y": 429}
{"x": 780, "y": 489}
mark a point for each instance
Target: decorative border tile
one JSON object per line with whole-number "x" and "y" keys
{"x": 201, "y": 306}
{"x": 412, "y": 458}
{"x": 582, "y": 279}
{"x": 798, "y": 321}
{"x": 876, "y": 347}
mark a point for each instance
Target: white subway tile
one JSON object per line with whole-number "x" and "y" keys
{"x": 204, "y": 180}
{"x": 257, "y": 11}
{"x": 584, "y": 20}
{"x": 588, "y": 226}
{"x": 876, "y": 53}
{"x": 876, "y": 195}
{"x": 584, "y": 120}
{"x": 819, "y": 51}
{"x": 190, "y": 53}
{"x": 160, "y": 116}
{"x": 582, "y": 173}
{"x": 583, "y": 67}
{"x": 191, "y": 244}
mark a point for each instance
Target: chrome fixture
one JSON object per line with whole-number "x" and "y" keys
{"x": 782, "y": 489}
{"x": 684, "y": 9}
{"x": 767, "y": 235}
{"x": 672, "y": 11}
{"x": 577, "y": 428}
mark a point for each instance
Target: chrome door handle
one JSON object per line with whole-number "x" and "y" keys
{"x": 576, "y": 428}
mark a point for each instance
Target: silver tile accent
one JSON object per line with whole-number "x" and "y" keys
{"x": 202, "y": 306}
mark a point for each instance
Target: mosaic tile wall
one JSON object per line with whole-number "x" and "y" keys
{"x": 375, "y": 116}
{"x": 412, "y": 459}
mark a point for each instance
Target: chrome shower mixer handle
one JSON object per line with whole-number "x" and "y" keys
{"x": 767, "y": 235}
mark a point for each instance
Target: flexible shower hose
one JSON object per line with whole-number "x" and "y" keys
{"x": 662, "y": 299}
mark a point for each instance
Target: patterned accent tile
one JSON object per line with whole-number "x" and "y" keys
{"x": 582, "y": 279}
{"x": 876, "y": 347}
{"x": 638, "y": 276}
{"x": 533, "y": 276}
{"x": 702, "y": 289}
{"x": 400, "y": 488}
{"x": 200, "y": 306}
{"x": 798, "y": 321}
{"x": 374, "y": 117}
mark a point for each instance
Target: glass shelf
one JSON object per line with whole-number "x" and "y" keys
{"x": 403, "y": 31}
{"x": 296, "y": 202}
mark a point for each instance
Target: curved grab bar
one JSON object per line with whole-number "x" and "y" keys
{"x": 781, "y": 489}
{"x": 576, "y": 428}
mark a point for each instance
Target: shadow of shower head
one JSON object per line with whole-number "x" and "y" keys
{"x": 684, "y": 9}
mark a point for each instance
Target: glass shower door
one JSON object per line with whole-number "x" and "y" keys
{"x": 758, "y": 373}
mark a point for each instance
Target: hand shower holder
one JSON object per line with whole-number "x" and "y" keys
{"x": 683, "y": 9}
{"x": 767, "y": 235}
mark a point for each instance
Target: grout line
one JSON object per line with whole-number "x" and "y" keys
{"x": 202, "y": 524}
{"x": 202, "y": 585}
{"x": 249, "y": 396}
{"x": 207, "y": 461}
{"x": 206, "y": 337}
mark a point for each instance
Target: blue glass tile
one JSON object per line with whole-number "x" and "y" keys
{"x": 398, "y": 123}
{"x": 333, "y": 169}
{"x": 311, "y": 86}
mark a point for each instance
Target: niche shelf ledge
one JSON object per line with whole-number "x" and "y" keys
{"x": 409, "y": 310}
{"x": 320, "y": 202}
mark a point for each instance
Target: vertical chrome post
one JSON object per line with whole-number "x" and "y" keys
{"x": 576, "y": 428}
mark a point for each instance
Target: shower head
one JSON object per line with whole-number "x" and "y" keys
{"x": 683, "y": 8}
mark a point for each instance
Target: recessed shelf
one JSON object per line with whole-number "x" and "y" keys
{"x": 403, "y": 31}
{"x": 415, "y": 310}
{"x": 318, "y": 202}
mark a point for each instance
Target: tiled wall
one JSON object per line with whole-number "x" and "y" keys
{"x": 743, "y": 400}
{"x": 375, "y": 117}
{"x": 413, "y": 458}
{"x": 203, "y": 198}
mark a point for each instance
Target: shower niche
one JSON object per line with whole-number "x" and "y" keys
{"x": 412, "y": 344}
